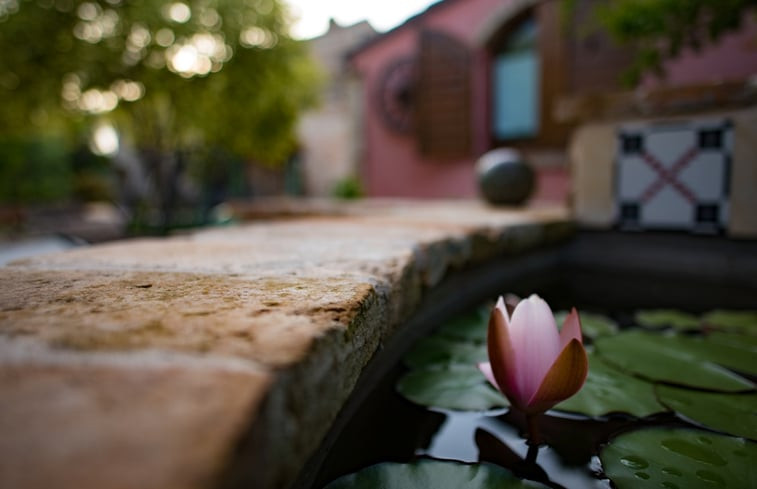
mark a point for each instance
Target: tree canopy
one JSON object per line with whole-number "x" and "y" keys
{"x": 661, "y": 29}
{"x": 168, "y": 74}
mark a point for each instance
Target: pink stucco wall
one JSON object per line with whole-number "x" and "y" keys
{"x": 733, "y": 58}
{"x": 391, "y": 164}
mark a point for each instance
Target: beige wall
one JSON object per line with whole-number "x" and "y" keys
{"x": 593, "y": 151}
{"x": 330, "y": 136}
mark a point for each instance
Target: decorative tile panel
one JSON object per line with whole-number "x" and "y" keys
{"x": 674, "y": 177}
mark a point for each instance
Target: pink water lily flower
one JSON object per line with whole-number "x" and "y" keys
{"x": 531, "y": 363}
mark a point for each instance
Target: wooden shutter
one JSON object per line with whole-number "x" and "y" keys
{"x": 443, "y": 121}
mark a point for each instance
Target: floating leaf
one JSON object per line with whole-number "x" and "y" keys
{"x": 592, "y": 325}
{"x": 734, "y": 351}
{"x": 468, "y": 327}
{"x": 740, "y": 321}
{"x": 656, "y": 318}
{"x": 736, "y": 339}
{"x": 432, "y": 474}
{"x": 609, "y": 390}
{"x": 667, "y": 358}
{"x": 735, "y": 414}
{"x": 679, "y": 459}
{"x": 457, "y": 387}
{"x": 439, "y": 350}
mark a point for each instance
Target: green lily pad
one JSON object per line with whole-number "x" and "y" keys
{"x": 656, "y": 318}
{"x": 734, "y": 351}
{"x": 679, "y": 459}
{"x": 740, "y": 321}
{"x": 438, "y": 474}
{"x": 609, "y": 390}
{"x": 468, "y": 327}
{"x": 666, "y": 358}
{"x": 740, "y": 340}
{"x": 439, "y": 350}
{"x": 735, "y": 414}
{"x": 592, "y": 325}
{"x": 457, "y": 387}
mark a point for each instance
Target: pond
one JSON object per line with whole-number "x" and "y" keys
{"x": 669, "y": 401}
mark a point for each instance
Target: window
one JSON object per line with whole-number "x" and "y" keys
{"x": 515, "y": 83}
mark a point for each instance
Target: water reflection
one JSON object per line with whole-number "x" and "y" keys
{"x": 496, "y": 436}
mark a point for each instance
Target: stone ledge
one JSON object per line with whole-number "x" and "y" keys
{"x": 158, "y": 362}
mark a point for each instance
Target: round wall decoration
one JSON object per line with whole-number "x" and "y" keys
{"x": 395, "y": 94}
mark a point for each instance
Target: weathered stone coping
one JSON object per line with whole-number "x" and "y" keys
{"x": 220, "y": 357}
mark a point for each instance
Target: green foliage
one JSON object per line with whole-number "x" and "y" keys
{"x": 685, "y": 362}
{"x": 657, "y": 318}
{"x": 609, "y": 390}
{"x": 678, "y": 458}
{"x": 662, "y": 29}
{"x": 453, "y": 386}
{"x": 730, "y": 413}
{"x": 228, "y": 75}
{"x": 34, "y": 171}
{"x": 348, "y": 188}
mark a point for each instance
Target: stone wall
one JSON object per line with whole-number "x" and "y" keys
{"x": 219, "y": 358}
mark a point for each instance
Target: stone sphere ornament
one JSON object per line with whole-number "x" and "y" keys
{"x": 504, "y": 177}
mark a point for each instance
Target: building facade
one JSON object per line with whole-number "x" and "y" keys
{"x": 467, "y": 76}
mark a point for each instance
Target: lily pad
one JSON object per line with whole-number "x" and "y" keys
{"x": 740, "y": 340}
{"x": 609, "y": 390}
{"x": 592, "y": 325}
{"x": 432, "y": 473}
{"x": 439, "y": 350}
{"x": 679, "y": 459}
{"x": 735, "y": 414}
{"x": 740, "y": 321}
{"x": 468, "y": 327}
{"x": 734, "y": 351}
{"x": 456, "y": 387}
{"x": 669, "y": 359}
{"x": 657, "y": 318}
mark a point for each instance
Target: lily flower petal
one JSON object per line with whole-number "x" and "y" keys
{"x": 486, "y": 369}
{"x": 571, "y": 328}
{"x": 531, "y": 363}
{"x": 565, "y": 378}
{"x": 501, "y": 353}
{"x": 535, "y": 342}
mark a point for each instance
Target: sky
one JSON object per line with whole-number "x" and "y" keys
{"x": 314, "y": 15}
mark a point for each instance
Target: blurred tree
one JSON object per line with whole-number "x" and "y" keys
{"x": 661, "y": 29}
{"x": 172, "y": 76}
{"x": 34, "y": 172}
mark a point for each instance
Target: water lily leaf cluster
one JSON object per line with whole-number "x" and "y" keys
{"x": 453, "y": 386}
{"x": 698, "y": 369}
{"x": 657, "y": 318}
{"x": 625, "y": 366}
{"x": 443, "y": 371}
{"x": 609, "y": 390}
{"x": 719, "y": 320}
{"x": 698, "y": 363}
